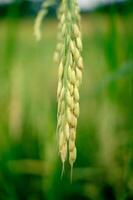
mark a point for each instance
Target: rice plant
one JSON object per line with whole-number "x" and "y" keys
{"x": 70, "y": 62}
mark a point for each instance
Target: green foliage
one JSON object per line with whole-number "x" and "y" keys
{"x": 29, "y": 167}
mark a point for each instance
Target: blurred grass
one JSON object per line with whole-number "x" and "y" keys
{"x": 29, "y": 164}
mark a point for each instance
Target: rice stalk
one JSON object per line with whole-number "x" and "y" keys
{"x": 41, "y": 14}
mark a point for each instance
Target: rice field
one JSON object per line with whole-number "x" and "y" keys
{"x": 30, "y": 167}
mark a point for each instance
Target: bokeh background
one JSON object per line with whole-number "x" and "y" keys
{"x": 30, "y": 166}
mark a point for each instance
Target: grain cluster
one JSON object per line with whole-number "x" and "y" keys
{"x": 70, "y": 62}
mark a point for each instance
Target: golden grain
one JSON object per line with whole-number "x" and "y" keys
{"x": 68, "y": 53}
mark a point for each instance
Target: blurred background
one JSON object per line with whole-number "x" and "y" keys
{"x": 30, "y": 166}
